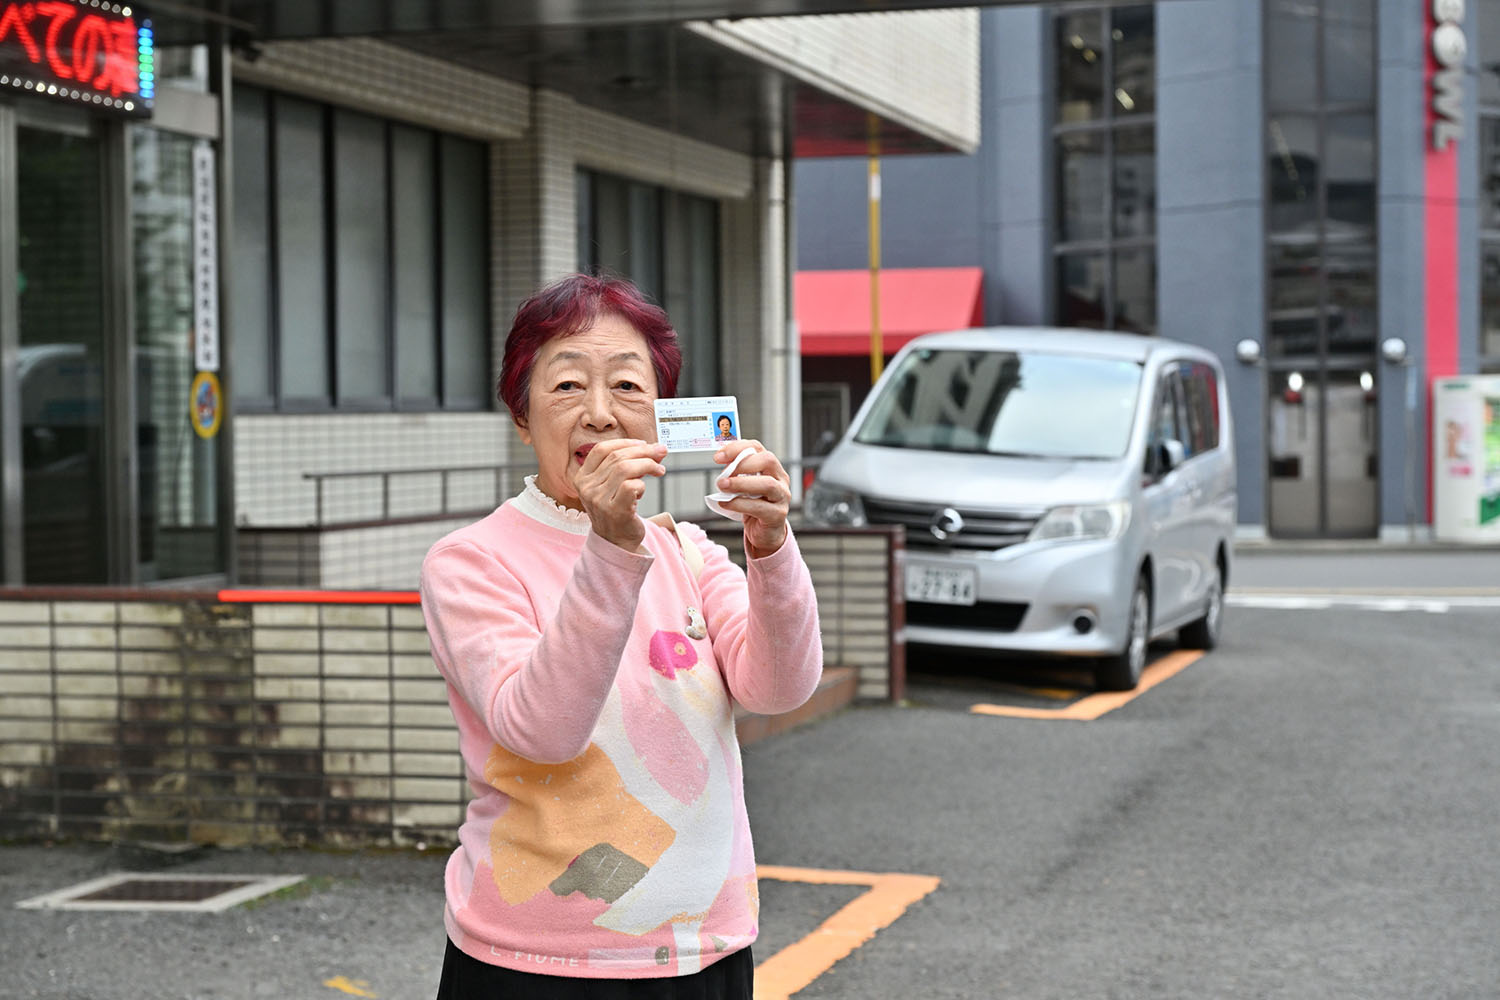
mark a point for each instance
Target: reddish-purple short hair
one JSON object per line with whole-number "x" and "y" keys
{"x": 571, "y": 305}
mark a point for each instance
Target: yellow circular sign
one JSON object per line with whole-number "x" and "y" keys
{"x": 206, "y": 404}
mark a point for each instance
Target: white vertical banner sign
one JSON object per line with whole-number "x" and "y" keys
{"x": 205, "y": 260}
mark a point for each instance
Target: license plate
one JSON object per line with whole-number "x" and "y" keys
{"x": 941, "y": 584}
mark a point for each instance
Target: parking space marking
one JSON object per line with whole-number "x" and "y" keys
{"x": 798, "y": 964}
{"x": 353, "y": 987}
{"x": 1314, "y": 600}
{"x": 1092, "y": 707}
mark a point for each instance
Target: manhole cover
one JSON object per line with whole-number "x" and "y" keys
{"x": 128, "y": 891}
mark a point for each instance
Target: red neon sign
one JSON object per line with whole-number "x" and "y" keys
{"x": 94, "y": 53}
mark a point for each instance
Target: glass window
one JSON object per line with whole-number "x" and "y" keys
{"x": 667, "y": 242}
{"x": 1004, "y": 403}
{"x": 1349, "y": 313}
{"x": 1165, "y": 425}
{"x": 1080, "y": 282}
{"x": 1133, "y": 38}
{"x": 692, "y": 289}
{"x": 414, "y": 264}
{"x": 1080, "y": 186}
{"x": 1104, "y": 148}
{"x": 1296, "y": 275}
{"x": 301, "y": 253}
{"x": 1135, "y": 290}
{"x": 362, "y": 271}
{"x": 1080, "y": 67}
{"x": 1489, "y": 171}
{"x": 1135, "y": 182}
{"x": 466, "y": 374}
{"x": 177, "y": 482}
{"x": 1350, "y": 171}
{"x": 1486, "y": 32}
{"x": 1293, "y": 171}
{"x": 1292, "y": 44}
{"x": 1489, "y": 305}
{"x": 361, "y": 259}
{"x": 1348, "y": 51}
{"x": 250, "y": 287}
{"x": 1201, "y": 391}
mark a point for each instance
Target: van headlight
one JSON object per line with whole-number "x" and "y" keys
{"x": 1083, "y": 523}
{"x": 827, "y": 504}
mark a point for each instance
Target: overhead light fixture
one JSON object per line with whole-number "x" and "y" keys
{"x": 1126, "y": 101}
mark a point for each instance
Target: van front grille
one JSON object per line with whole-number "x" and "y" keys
{"x": 982, "y": 529}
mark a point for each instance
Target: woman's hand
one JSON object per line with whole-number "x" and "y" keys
{"x": 765, "y": 517}
{"x": 610, "y": 484}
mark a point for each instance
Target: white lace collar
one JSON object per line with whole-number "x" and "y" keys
{"x": 537, "y": 505}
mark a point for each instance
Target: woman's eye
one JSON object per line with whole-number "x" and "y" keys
{"x": 566, "y": 386}
{"x": 629, "y": 386}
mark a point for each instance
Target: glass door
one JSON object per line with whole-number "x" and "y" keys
{"x": 60, "y": 250}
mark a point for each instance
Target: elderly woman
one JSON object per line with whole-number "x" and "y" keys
{"x": 593, "y": 662}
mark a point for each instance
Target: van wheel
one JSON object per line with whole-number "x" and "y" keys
{"x": 1122, "y": 672}
{"x": 1204, "y": 633}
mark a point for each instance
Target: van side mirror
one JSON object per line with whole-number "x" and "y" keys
{"x": 1168, "y": 455}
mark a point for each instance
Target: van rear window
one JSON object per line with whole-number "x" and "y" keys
{"x": 1032, "y": 404}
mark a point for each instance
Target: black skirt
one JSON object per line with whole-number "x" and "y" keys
{"x": 467, "y": 978}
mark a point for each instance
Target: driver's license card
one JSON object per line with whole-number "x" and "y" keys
{"x": 697, "y": 423}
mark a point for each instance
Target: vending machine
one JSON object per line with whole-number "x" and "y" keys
{"x": 1466, "y": 458}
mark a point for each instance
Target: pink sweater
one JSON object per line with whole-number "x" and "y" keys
{"x": 607, "y": 835}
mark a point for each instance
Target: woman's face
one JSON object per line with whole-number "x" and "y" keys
{"x": 593, "y": 386}
{"x": 724, "y": 424}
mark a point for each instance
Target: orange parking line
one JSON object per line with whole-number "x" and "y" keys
{"x": 1095, "y": 705}
{"x": 798, "y": 964}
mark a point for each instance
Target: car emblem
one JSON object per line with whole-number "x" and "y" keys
{"x": 946, "y": 522}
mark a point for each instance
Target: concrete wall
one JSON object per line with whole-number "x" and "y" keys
{"x": 1210, "y": 229}
{"x": 1401, "y": 95}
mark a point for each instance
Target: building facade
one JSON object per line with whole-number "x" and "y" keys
{"x": 250, "y": 324}
{"x": 1310, "y": 190}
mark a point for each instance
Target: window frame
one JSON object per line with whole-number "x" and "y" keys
{"x": 1108, "y": 246}
{"x": 336, "y": 400}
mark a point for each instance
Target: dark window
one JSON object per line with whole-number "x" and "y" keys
{"x": 1320, "y": 178}
{"x": 667, "y": 242}
{"x": 361, "y": 272}
{"x": 1104, "y": 149}
{"x": 1201, "y": 397}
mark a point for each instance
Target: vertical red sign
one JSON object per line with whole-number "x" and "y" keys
{"x": 1446, "y": 49}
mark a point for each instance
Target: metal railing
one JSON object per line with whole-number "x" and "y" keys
{"x": 679, "y": 491}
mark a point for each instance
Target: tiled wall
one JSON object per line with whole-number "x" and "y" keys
{"x": 273, "y": 451}
{"x": 228, "y": 724}
{"x": 920, "y": 68}
{"x": 188, "y": 718}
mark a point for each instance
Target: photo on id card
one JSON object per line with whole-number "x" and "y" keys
{"x": 697, "y": 423}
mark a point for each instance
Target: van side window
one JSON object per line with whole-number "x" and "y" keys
{"x": 1201, "y": 396}
{"x": 1165, "y": 420}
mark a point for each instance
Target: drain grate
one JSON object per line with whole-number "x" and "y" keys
{"x": 173, "y": 893}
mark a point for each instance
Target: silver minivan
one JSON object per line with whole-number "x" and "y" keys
{"x": 1063, "y": 491}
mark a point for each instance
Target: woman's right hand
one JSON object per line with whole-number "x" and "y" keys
{"x": 611, "y": 483}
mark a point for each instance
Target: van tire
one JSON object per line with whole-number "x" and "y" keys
{"x": 1122, "y": 671}
{"x": 1205, "y": 632}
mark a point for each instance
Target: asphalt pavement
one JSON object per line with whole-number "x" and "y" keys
{"x": 1309, "y": 811}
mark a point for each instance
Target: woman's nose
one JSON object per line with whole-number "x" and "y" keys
{"x": 599, "y": 410}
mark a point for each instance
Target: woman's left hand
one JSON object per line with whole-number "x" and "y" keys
{"x": 765, "y": 517}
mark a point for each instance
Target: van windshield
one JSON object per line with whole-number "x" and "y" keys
{"x": 1031, "y": 404}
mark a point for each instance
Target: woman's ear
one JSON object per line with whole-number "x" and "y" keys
{"x": 522, "y": 430}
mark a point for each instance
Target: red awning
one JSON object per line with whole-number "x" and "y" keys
{"x": 833, "y": 307}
